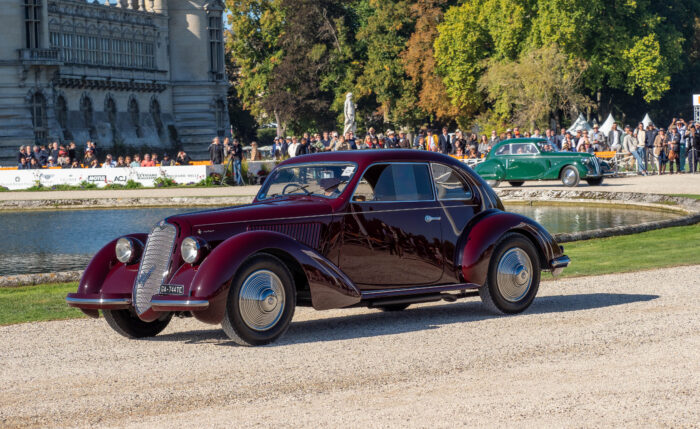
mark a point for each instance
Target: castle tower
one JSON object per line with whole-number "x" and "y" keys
{"x": 199, "y": 83}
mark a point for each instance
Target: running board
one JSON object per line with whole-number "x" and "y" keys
{"x": 415, "y": 299}
{"x": 416, "y": 290}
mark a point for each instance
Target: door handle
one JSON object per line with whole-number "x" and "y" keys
{"x": 429, "y": 218}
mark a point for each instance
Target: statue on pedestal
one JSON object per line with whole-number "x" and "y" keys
{"x": 349, "y": 114}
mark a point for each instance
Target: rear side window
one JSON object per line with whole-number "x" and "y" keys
{"x": 503, "y": 150}
{"x": 449, "y": 184}
{"x": 395, "y": 182}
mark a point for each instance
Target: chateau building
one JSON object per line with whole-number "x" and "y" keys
{"x": 138, "y": 72}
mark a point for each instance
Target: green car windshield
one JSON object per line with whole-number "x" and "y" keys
{"x": 326, "y": 180}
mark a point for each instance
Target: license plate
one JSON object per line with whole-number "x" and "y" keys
{"x": 172, "y": 290}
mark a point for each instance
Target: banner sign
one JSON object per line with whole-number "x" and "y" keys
{"x": 183, "y": 175}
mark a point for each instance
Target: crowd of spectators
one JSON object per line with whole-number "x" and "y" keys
{"x": 649, "y": 148}
{"x": 70, "y": 156}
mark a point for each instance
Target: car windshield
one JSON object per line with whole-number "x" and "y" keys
{"x": 326, "y": 180}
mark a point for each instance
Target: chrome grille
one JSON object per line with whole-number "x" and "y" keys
{"x": 155, "y": 264}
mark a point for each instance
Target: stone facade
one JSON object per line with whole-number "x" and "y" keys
{"x": 138, "y": 72}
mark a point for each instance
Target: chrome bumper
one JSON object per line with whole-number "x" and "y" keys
{"x": 178, "y": 305}
{"x": 558, "y": 264}
{"x": 98, "y": 302}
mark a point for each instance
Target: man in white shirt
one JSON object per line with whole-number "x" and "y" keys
{"x": 615, "y": 138}
{"x": 292, "y": 150}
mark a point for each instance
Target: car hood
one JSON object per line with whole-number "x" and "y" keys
{"x": 297, "y": 207}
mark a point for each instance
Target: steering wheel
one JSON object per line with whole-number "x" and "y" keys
{"x": 296, "y": 186}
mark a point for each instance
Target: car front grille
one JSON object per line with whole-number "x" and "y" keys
{"x": 155, "y": 265}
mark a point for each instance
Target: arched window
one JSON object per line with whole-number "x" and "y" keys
{"x": 62, "y": 112}
{"x": 134, "y": 115}
{"x": 32, "y": 23}
{"x": 155, "y": 114}
{"x": 86, "y": 112}
{"x": 111, "y": 111}
{"x": 219, "y": 112}
{"x": 38, "y": 109}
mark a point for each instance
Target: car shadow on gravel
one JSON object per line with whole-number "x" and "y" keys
{"x": 416, "y": 318}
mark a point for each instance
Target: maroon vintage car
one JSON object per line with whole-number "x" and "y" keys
{"x": 382, "y": 229}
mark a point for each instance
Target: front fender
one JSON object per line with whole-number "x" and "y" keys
{"x": 491, "y": 169}
{"x": 329, "y": 287}
{"x": 481, "y": 236}
{"x": 105, "y": 275}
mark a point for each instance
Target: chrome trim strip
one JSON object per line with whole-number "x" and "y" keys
{"x": 419, "y": 289}
{"x": 108, "y": 301}
{"x": 176, "y": 303}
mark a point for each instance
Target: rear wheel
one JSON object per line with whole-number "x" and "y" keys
{"x": 513, "y": 276}
{"x": 126, "y": 323}
{"x": 516, "y": 184}
{"x": 570, "y": 176}
{"x": 597, "y": 181}
{"x": 261, "y": 301}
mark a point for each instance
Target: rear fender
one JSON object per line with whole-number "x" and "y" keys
{"x": 483, "y": 233}
{"x": 329, "y": 287}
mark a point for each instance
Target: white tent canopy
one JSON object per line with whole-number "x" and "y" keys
{"x": 607, "y": 125}
{"x": 647, "y": 120}
{"x": 580, "y": 124}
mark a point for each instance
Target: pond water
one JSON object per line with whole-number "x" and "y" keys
{"x": 64, "y": 240}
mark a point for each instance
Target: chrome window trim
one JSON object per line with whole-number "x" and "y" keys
{"x": 426, "y": 163}
{"x": 459, "y": 174}
{"x": 306, "y": 164}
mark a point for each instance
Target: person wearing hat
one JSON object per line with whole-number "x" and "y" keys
{"x": 390, "y": 142}
{"x": 167, "y": 161}
{"x": 89, "y": 156}
{"x": 597, "y": 138}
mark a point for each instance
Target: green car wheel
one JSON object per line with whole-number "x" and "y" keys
{"x": 516, "y": 184}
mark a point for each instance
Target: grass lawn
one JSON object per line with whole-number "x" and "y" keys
{"x": 654, "y": 249}
{"x": 694, "y": 196}
{"x": 36, "y": 303}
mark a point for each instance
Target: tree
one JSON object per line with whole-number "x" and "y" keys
{"x": 253, "y": 47}
{"x": 419, "y": 61}
{"x": 529, "y": 89}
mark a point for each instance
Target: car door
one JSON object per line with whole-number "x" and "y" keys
{"x": 525, "y": 162}
{"x": 458, "y": 203}
{"x": 392, "y": 228}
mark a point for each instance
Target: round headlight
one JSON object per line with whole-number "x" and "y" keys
{"x": 191, "y": 250}
{"x": 125, "y": 250}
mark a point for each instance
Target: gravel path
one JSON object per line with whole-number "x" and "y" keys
{"x": 615, "y": 350}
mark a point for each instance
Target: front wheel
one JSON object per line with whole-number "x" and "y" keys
{"x": 126, "y": 323}
{"x": 493, "y": 183}
{"x": 513, "y": 277}
{"x": 596, "y": 181}
{"x": 570, "y": 176}
{"x": 261, "y": 301}
{"x": 516, "y": 184}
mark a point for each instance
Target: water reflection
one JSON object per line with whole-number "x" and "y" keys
{"x": 49, "y": 241}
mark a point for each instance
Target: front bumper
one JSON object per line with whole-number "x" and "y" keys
{"x": 177, "y": 303}
{"x": 557, "y": 265}
{"x": 98, "y": 301}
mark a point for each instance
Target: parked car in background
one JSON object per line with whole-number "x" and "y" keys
{"x": 525, "y": 159}
{"x": 381, "y": 229}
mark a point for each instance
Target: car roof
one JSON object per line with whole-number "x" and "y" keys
{"x": 369, "y": 156}
{"x": 520, "y": 140}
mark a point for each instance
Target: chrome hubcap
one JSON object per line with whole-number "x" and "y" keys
{"x": 569, "y": 177}
{"x": 514, "y": 274}
{"x": 261, "y": 300}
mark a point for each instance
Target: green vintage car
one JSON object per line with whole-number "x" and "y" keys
{"x": 518, "y": 160}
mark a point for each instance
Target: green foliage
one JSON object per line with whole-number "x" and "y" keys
{"x": 213, "y": 180}
{"x": 519, "y": 91}
{"x": 164, "y": 182}
{"x": 649, "y": 70}
{"x": 87, "y": 185}
{"x": 266, "y": 136}
{"x": 4, "y": 189}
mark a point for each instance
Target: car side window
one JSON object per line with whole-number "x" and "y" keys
{"x": 503, "y": 150}
{"x": 524, "y": 149}
{"x": 395, "y": 182}
{"x": 449, "y": 184}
